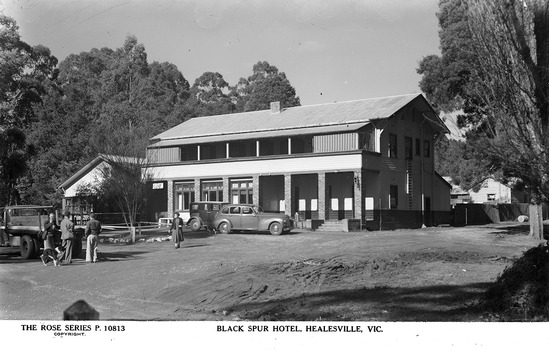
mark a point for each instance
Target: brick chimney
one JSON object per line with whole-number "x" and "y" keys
{"x": 275, "y": 107}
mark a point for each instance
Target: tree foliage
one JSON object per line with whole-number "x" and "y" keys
{"x": 512, "y": 70}
{"x": 26, "y": 73}
{"x": 105, "y": 101}
{"x": 209, "y": 96}
{"x": 124, "y": 182}
{"x": 494, "y": 68}
{"x": 14, "y": 155}
{"x": 264, "y": 86}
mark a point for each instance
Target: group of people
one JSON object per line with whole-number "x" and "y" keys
{"x": 63, "y": 253}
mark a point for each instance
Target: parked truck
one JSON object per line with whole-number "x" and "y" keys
{"x": 22, "y": 225}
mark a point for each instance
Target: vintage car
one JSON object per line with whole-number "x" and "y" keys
{"x": 202, "y": 214}
{"x": 246, "y": 217}
{"x": 165, "y": 223}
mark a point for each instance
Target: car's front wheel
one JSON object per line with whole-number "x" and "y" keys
{"x": 224, "y": 227}
{"x": 275, "y": 228}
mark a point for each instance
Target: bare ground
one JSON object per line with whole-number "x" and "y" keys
{"x": 434, "y": 274}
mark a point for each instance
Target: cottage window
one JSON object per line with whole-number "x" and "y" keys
{"x": 418, "y": 147}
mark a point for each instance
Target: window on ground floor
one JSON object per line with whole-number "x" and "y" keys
{"x": 212, "y": 191}
{"x": 184, "y": 195}
{"x": 242, "y": 191}
{"x": 393, "y": 196}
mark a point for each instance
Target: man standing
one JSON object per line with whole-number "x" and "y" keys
{"x": 177, "y": 230}
{"x": 93, "y": 229}
{"x": 67, "y": 235}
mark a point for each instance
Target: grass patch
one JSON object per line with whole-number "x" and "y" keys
{"x": 521, "y": 292}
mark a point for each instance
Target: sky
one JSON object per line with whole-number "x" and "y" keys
{"x": 330, "y": 50}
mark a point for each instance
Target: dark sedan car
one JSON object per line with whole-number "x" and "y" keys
{"x": 246, "y": 217}
{"x": 202, "y": 214}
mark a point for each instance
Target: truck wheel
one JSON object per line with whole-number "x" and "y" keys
{"x": 27, "y": 247}
{"x": 195, "y": 225}
{"x": 76, "y": 248}
{"x": 275, "y": 228}
{"x": 36, "y": 247}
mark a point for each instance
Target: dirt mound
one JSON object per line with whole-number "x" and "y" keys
{"x": 315, "y": 288}
{"x": 521, "y": 292}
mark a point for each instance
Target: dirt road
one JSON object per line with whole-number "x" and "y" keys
{"x": 405, "y": 275}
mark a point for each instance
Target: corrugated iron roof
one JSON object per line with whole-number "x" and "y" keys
{"x": 294, "y": 118}
{"x": 93, "y": 164}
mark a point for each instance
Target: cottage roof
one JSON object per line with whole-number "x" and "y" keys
{"x": 94, "y": 164}
{"x": 456, "y": 190}
{"x": 322, "y": 118}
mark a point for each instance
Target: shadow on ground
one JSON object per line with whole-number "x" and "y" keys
{"x": 110, "y": 256}
{"x": 516, "y": 229}
{"x": 431, "y": 303}
{"x": 12, "y": 255}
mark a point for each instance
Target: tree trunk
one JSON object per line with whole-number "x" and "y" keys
{"x": 536, "y": 221}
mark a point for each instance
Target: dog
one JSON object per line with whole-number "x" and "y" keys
{"x": 53, "y": 255}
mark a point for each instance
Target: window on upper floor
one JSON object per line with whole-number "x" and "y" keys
{"x": 418, "y": 147}
{"x": 393, "y": 146}
{"x": 242, "y": 149}
{"x": 426, "y": 148}
{"x": 213, "y": 151}
{"x": 266, "y": 147}
{"x": 302, "y": 144}
{"x": 367, "y": 140}
{"x": 189, "y": 152}
{"x": 408, "y": 148}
